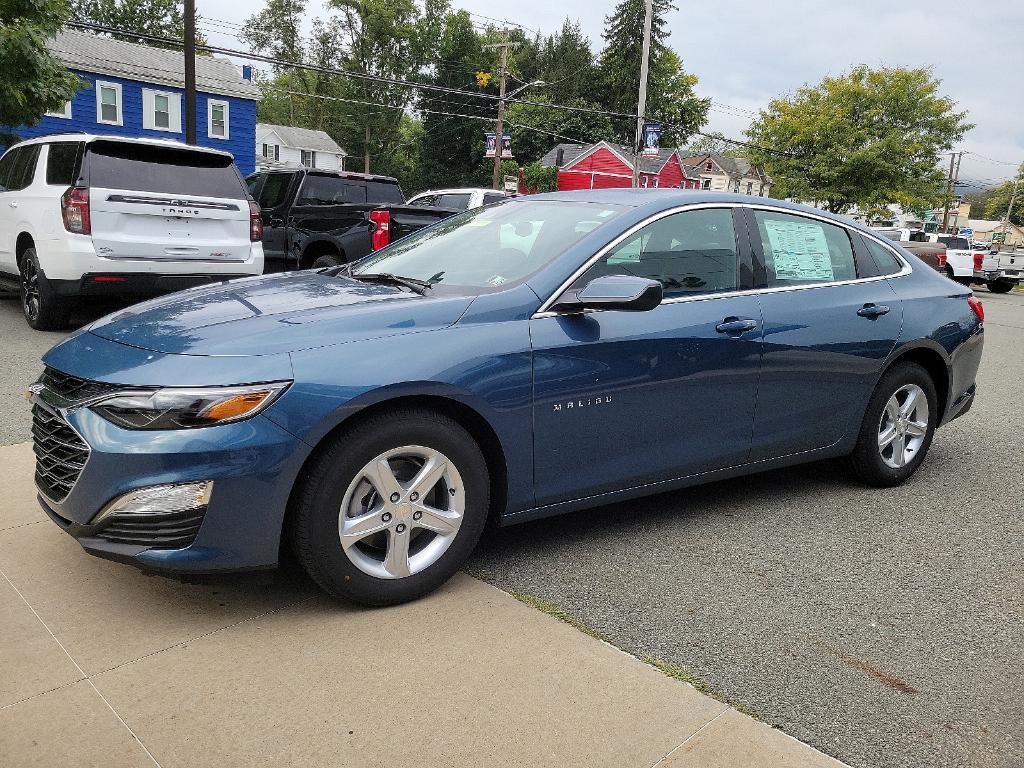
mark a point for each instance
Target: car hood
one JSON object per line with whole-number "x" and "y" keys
{"x": 277, "y": 313}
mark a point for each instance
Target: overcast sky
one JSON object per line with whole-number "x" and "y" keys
{"x": 746, "y": 52}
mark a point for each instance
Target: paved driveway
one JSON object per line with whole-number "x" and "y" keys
{"x": 884, "y": 627}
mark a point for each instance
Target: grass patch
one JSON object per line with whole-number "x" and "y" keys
{"x": 553, "y": 610}
{"x": 678, "y": 673}
{"x": 478, "y": 573}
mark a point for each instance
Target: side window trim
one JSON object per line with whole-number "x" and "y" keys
{"x": 866, "y": 264}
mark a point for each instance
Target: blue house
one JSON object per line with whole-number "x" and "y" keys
{"x": 137, "y": 90}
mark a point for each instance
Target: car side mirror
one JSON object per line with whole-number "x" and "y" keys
{"x": 622, "y": 292}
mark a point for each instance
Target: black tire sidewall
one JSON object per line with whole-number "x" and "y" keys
{"x": 327, "y": 260}
{"x": 999, "y": 286}
{"x": 867, "y": 459}
{"x": 51, "y": 316}
{"x": 322, "y": 554}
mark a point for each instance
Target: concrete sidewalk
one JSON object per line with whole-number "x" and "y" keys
{"x": 101, "y": 665}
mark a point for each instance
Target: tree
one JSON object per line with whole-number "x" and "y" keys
{"x": 671, "y": 98}
{"x": 999, "y": 201}
{"x": 35, "y": 81}
{"x": 162, "y": 18}
{"x": 276, "y": 32}
{"x": 868, "y": 138}
{"x": 566, "y": 65}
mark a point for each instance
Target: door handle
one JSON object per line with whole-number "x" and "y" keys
{"x": 13, "y": 203}
{"x": 872, "y": 311}
{"x": 736, "y": 325}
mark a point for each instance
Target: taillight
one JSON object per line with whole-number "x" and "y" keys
{"x": 941, "y": 259}
{"x": 74, "y": 206}
{"x": 979, "y": 260}
{"x": 255, "y": 223}
{"x": 381, "y": 234}
{"x": 976, "y": 305}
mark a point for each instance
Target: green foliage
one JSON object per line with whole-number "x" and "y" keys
{"x": 715, "y": 143}
{"x": 999, "y": 201}
{"x": 35, "y": 81}
{"x": 163, "y": 18}
{"x": 866, "y": 138}
{"x": 671, "y": 98}
{"x": 540, "y": 178}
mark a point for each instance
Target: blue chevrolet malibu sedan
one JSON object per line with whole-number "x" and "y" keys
{"x": 542, "y": 355}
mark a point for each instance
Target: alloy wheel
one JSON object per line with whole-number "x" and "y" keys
{"x": 904, "y": 426}
{"x": 30, "y": 289}
{"x": 401, "y": 512}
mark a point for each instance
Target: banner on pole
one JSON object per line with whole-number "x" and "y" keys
{"x": 506, "y": 145}
{"x": 651, "y": 139}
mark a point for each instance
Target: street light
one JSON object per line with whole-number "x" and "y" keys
{"x": 522, "y": 88}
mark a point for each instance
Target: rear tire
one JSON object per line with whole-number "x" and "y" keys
{"x": 327, "y": 260}
{"x": 1000, "y": 286}
{"x": 346, "y": 523}
{"x": 898, "y": 426}
{"x": 42, "y": 308}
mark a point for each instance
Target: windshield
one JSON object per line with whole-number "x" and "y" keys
{"x": 490, "y": 247}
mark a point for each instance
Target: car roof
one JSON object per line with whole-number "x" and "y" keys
{"x": 458, "y": 191}
{"x": 89, "y": 138}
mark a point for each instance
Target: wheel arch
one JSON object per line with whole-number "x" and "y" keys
{"x": 314, "y": 249}
{"x": 935, "y": 363}
{"x": 23, "y": 242}
{"x": 468, "y": 417}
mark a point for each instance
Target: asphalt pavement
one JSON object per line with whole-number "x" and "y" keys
{"x": 884, "y": 627}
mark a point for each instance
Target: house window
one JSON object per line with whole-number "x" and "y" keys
{"x": 705, "y": 184}
{"x": 709, "y": 167}
{"x": 308, "y": 158}
{"x": 272, "y": 151}
{"x": 218, "y": 115}
{"x": 161, "y": 110}
{"x": 750, "y": 187}
{"x": 64, "y": 112}
{"x": 108, "y": 103}
{"x": 761, "y": 192}
{"x": 736, "y": 186}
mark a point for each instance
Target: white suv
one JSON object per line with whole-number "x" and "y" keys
{"x": 84, "y": 215}
{"x": 459, "y": 199}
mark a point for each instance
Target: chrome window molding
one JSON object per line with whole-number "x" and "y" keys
{"x": 545, "y": 307}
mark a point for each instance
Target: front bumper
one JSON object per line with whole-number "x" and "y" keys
{"x": 253, "y": 465}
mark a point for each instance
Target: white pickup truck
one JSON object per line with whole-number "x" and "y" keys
{"x": 1001, "y": 271}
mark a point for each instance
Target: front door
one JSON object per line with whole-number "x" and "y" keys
{"x": 830, "y": 321}
{"x": 622, "y": 399}
{"x": 274, "y": 200}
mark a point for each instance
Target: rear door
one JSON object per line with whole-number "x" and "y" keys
{"x": 274, "y": 195}
{"x": 156, "y": 203}
{"x": 8, "y": 210}
{"x": 830, "y": 320}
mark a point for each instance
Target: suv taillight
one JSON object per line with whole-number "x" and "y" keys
{"x": 381, "y": 234}
{"x": 979, "y": 260}
{"x": 941, "y": 258}
{"x": 979, "y": 310}
{"x": 255, "y": 223}
{"x": 74, "y": 206}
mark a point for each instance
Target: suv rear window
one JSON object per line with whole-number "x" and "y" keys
{"x": 955, "y": 243}
{"x": 62, "y": 163}
{"x": 166, "y": 170}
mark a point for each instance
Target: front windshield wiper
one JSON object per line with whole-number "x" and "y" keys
{"x": 417, "y": 286}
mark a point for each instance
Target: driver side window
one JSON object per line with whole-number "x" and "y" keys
{"x": 692, "y": 252}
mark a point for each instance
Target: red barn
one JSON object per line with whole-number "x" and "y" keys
{"x": 604, "y": 166}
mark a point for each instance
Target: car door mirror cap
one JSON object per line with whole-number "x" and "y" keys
{"x": 616, "y": 292}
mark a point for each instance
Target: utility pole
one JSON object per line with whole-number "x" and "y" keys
{"x": 641, "y": 105}
{"x": 190, "y": 71}
{"x": 499, "y": 124}
{"x": 949, "y": 195}
{"x": 1009, "y": 210}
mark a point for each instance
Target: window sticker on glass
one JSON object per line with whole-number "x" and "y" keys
{"x": 799, "y": 250}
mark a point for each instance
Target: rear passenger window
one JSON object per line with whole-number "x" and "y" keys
{"x": 62, "y": 163}
{"x": 275, "y": 189}
{"x": 886, "y": 260}
{"x": 800, "y": 251}
{"x": 492, "y": 197}
{"x": 688, "y": 253}
{"x": 6, "y": 166}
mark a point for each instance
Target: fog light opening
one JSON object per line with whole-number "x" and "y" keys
{"x": 159, "y": 500}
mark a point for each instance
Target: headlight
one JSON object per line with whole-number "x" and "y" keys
{"x": 184, "y": 408}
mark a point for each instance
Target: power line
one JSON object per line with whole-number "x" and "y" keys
{"x": 400, "y": 83}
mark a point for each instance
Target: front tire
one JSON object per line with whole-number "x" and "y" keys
{"x": 392, "y": 508}
{"x": 1000, "y": 286}
{"x": 39, "y": 303}
{"x": 898, "y": 426}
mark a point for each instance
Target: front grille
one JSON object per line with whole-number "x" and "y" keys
{"x": 60, "y": 454}
{"x": 163, "y": 531}
{"x": 73, "y": 388}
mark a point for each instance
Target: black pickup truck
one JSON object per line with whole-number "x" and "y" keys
{"x": 314, "y": 218}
